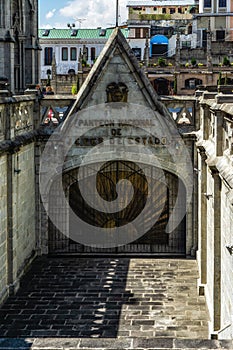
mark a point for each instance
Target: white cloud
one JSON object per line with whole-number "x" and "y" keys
{"x": 97, "y": 13}
{"x": 50, "y": 14}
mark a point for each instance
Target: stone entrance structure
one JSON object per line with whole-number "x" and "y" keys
{"x": 127, "y": 134}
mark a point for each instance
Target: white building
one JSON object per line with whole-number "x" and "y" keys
{"x": 67, "y": 44}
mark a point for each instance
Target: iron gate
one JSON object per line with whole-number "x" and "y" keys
{"x": 162, "y": 200}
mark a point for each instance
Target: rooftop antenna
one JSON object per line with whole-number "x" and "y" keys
{"x": 80, "y": 21}
{"x": 117, "y": 14}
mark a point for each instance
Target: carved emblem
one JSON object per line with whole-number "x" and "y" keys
{"x": 117, "y": 92}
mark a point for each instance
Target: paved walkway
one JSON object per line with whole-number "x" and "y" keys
{"x": 107, "y": 298}
{"x": 113, "y": 344}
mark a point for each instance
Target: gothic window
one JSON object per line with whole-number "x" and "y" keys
{"x": 164, "y": 10}
{"x": 2, "y": 12}
{"x": 64, "y": 54}
{"x": 207, "y": 3}
{"x": 48, "y": 56}
{"x": 222, "y": 3}
{"x": 73, "y": 54}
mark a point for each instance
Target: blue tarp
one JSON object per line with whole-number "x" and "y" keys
{"x": 159, "y": 40}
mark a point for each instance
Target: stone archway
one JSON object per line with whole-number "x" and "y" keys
{"x": 162, "y": 86}
{"x": 155, "y": 240}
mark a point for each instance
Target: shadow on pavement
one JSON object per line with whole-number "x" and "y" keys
{"x": 68, "y": 297}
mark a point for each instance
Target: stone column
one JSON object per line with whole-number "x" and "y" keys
{"x": 41, "y": 215}
{"x": 208, "y": 48}
{"x": 177, "y": 59}
{"x": 203, "y": 217}
{"x": 217, "y": 250}
{"x": 9, "y": 59}
{"x": 80, "y": 70}
{"x": 146, "y": 52}
{"x": 54, "y": 74}
{"x": 206, "y": 121}
{"x": 218, "y": 133}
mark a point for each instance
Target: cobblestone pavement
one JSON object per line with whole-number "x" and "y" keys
{"x": 113, "y": 344}
{"x": 107, "y": 298}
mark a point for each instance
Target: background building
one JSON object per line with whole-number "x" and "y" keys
{"x": 217, "y": 15}
{"x": 165, "y": 19}
{"x": 66, "y": 45}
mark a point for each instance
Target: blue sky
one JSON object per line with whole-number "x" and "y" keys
{"x": 87, "y": 13}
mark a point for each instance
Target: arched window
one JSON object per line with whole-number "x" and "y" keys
{"x": 71, "y": 72}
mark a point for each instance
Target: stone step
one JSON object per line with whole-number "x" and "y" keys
{"x": 112, "y": 344}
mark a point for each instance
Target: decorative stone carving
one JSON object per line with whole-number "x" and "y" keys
{"x": 117, "y": 92}
{"x": 22, "y": 118}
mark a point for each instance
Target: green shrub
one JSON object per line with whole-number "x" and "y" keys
{"x": 161, "y": 62}
{"x": 226, "y": 61}
{"x": 74, "y": 90}
{"x": 193, "y": 61}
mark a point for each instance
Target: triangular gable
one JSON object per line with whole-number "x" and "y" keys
{"x": 118, "y": 65}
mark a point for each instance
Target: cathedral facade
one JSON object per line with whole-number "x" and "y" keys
{"x": 19, "y": 48}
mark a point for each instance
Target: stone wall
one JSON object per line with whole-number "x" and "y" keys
{"x": 23, "y": 195}
{"x": 215, "y": 214}
{"x": 227, "y": 273}
{"x": 17, "y": 189}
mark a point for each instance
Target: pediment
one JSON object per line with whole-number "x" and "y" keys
{"x": 117, "y": 77}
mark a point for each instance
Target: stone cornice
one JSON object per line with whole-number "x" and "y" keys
{"x": 222, "y": 165}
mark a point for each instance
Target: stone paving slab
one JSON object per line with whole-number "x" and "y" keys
{"x": 107, "y": 298}
{"x": 113, "y": 344}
